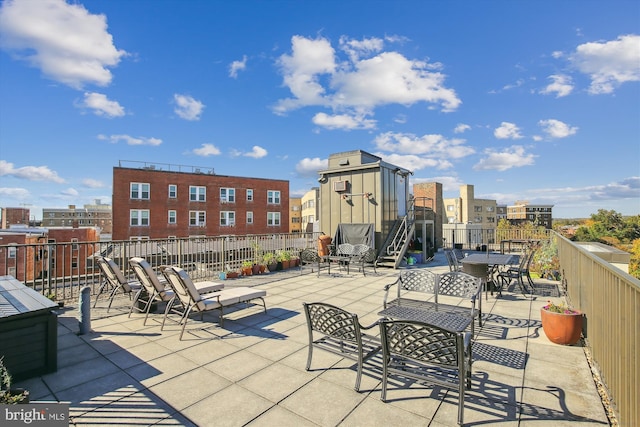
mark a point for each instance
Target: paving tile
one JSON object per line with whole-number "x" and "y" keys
{"x": 232, "y": 406}
{"x": 323, "y": 402}
{"x": 278, "y": 416}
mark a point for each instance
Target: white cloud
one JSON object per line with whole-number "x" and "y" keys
{"x": 609, "y": 63}
{"x": 343, "y": 121}
{"x": 187, "y": 107}
{"x": 429, "y": 145}
{"x": 628, "y": 188}
{"x": 207, "y": 150}
{"x": 17, "y": 193}
{"x": 461, "y": 128}
{"x": 102, "y": 106}
{"x": 357, "y": 48}
{"x": 557, "y": 129}
{"x": 92, "y": 183}
{"x": 309, "y": 167}
{"x": 512, "y": 157}
{"x": 316, "y": 76}
{"x": 256, "y": 152}
{"x": 66, "y": 42}
{"x": 130, "y": 140}
{"x": 70, "y": 192}
{"x": 237, "y": 66}
{"x": 560, "y": 84}
{"x": 507, "y": 131}
{"x": 414, "y": 162}
{"x": 31, "y": 173}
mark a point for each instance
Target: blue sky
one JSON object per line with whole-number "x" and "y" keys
{"x": 525, "y": 100}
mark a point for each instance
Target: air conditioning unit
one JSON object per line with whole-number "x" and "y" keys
{"x": 340, "y": 185}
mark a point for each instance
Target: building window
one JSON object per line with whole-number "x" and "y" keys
{"x": 197, "y": 218}
{"x": 140, "y": 191}
{"x": 249, "y": 195}
{"x": 171, "y": 218}
{"x": 74, "y": 244}
{"x": 12, "y": 251}
{"x": 450, "y": 208}
{"x": 273, "y": 197}
{"x": 311, "y": 219}
{"x": 139, "y": 217}
{"x": 173, "y": 191}
{"x": 197, "y": 194}
{"x": 228, "y": 195}
{"x": 295, "y": 220}
{"x": 295, "y": 208}
{"x": 477, "y": 208}
{"x": 489, "y": 208}
{"x": 249, "y": 217}
{"x": 273, "y": 218}
{"x": 227, "y": 218}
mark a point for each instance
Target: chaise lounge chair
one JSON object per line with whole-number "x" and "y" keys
{"x": 192, "y": 301}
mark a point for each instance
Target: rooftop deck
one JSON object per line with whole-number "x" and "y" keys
{"x": 252, "y": 371}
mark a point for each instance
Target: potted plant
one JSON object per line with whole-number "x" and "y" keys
{"x": 247, "y": 268}
{"x": 284, "y": 257}
{"x": 10, "y": 395}
{"x": 561, "y": 324}
{"x": 270, "y": 261}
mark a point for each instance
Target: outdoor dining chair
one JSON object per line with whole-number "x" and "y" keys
{"x": 452, "y": 260}
{"x": 339, "y": 332}
{"x": 114, "y": 279}
{"x": 426, "y": 353}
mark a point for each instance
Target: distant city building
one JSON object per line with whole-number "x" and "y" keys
{"x": 91, "y": 215}
{"x": 160, "y": 201}
{"x": 295, "y": 215}
{"x": 429, "y": 206}
{"x": 501, "y": 213}
{"x": 466, "y": 209}
{"x": 14, "y": 216}
{"x": 310, "y": 202}
{"x": 46, "y": 252}
{"x": 522, "y": 212}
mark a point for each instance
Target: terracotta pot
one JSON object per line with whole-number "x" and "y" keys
{"x": 263, "y": 268}
{"x": 233, "y": 275}
{"x": 561, "y": 328}
{"x": 255, "y": 269}
{"x": 247, "y": 271}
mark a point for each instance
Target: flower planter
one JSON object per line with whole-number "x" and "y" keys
{"x": 255, "y": 269}
{"x": 562, "y": 328}
{"x": 247, "y": 271}
{"x": 233, "y": 275}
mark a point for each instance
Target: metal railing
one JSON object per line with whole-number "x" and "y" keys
{"x": 610, "y": 299}
{"x": 491, "y": 238}
{"x": 61, "y": 270}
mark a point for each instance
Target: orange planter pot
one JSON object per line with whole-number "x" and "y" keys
{"x": 560, "y": 328}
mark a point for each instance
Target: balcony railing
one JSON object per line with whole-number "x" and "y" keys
{"x": 610, "y": 298}
{"x": 60, "y": 270}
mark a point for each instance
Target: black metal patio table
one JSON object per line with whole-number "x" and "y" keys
{"x": 451, "y": 322}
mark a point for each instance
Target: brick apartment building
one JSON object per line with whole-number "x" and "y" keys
{"x": 152, "y": 203}
{"x": 36, "y": 253}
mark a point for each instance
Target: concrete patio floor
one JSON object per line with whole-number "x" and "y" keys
{"x": 252, "y": 371}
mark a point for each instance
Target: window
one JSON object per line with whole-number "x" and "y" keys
{"x": 295, "y": 208}
{"x": 12, "y": 251}
{"x": 249, "y": 195}
{"x": 140, "y": 191}
{"x": 477, "y": 208}
{"x": 450, "y": 208}
{"x": 171, "y": 217}
{"x": 249, "y": 217}
{"x": 74, "y": 244}
{"x": 173, "y": 191}
{"x": 227, "y": 218}
{"x": 197, "y": 194}
{"x": 197, "y": 218}
{"x": 139, "y": 217}
{"x": 273, "y": 218}
{"x": 273, "y": 197}
{"x": 311, "y": 219}
{"x": 489, "y": 208}
{"x": 296, "y": 220}
{"x": 228, "y": 195}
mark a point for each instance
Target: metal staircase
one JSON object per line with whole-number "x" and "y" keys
{"x": 398, "y": 239}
